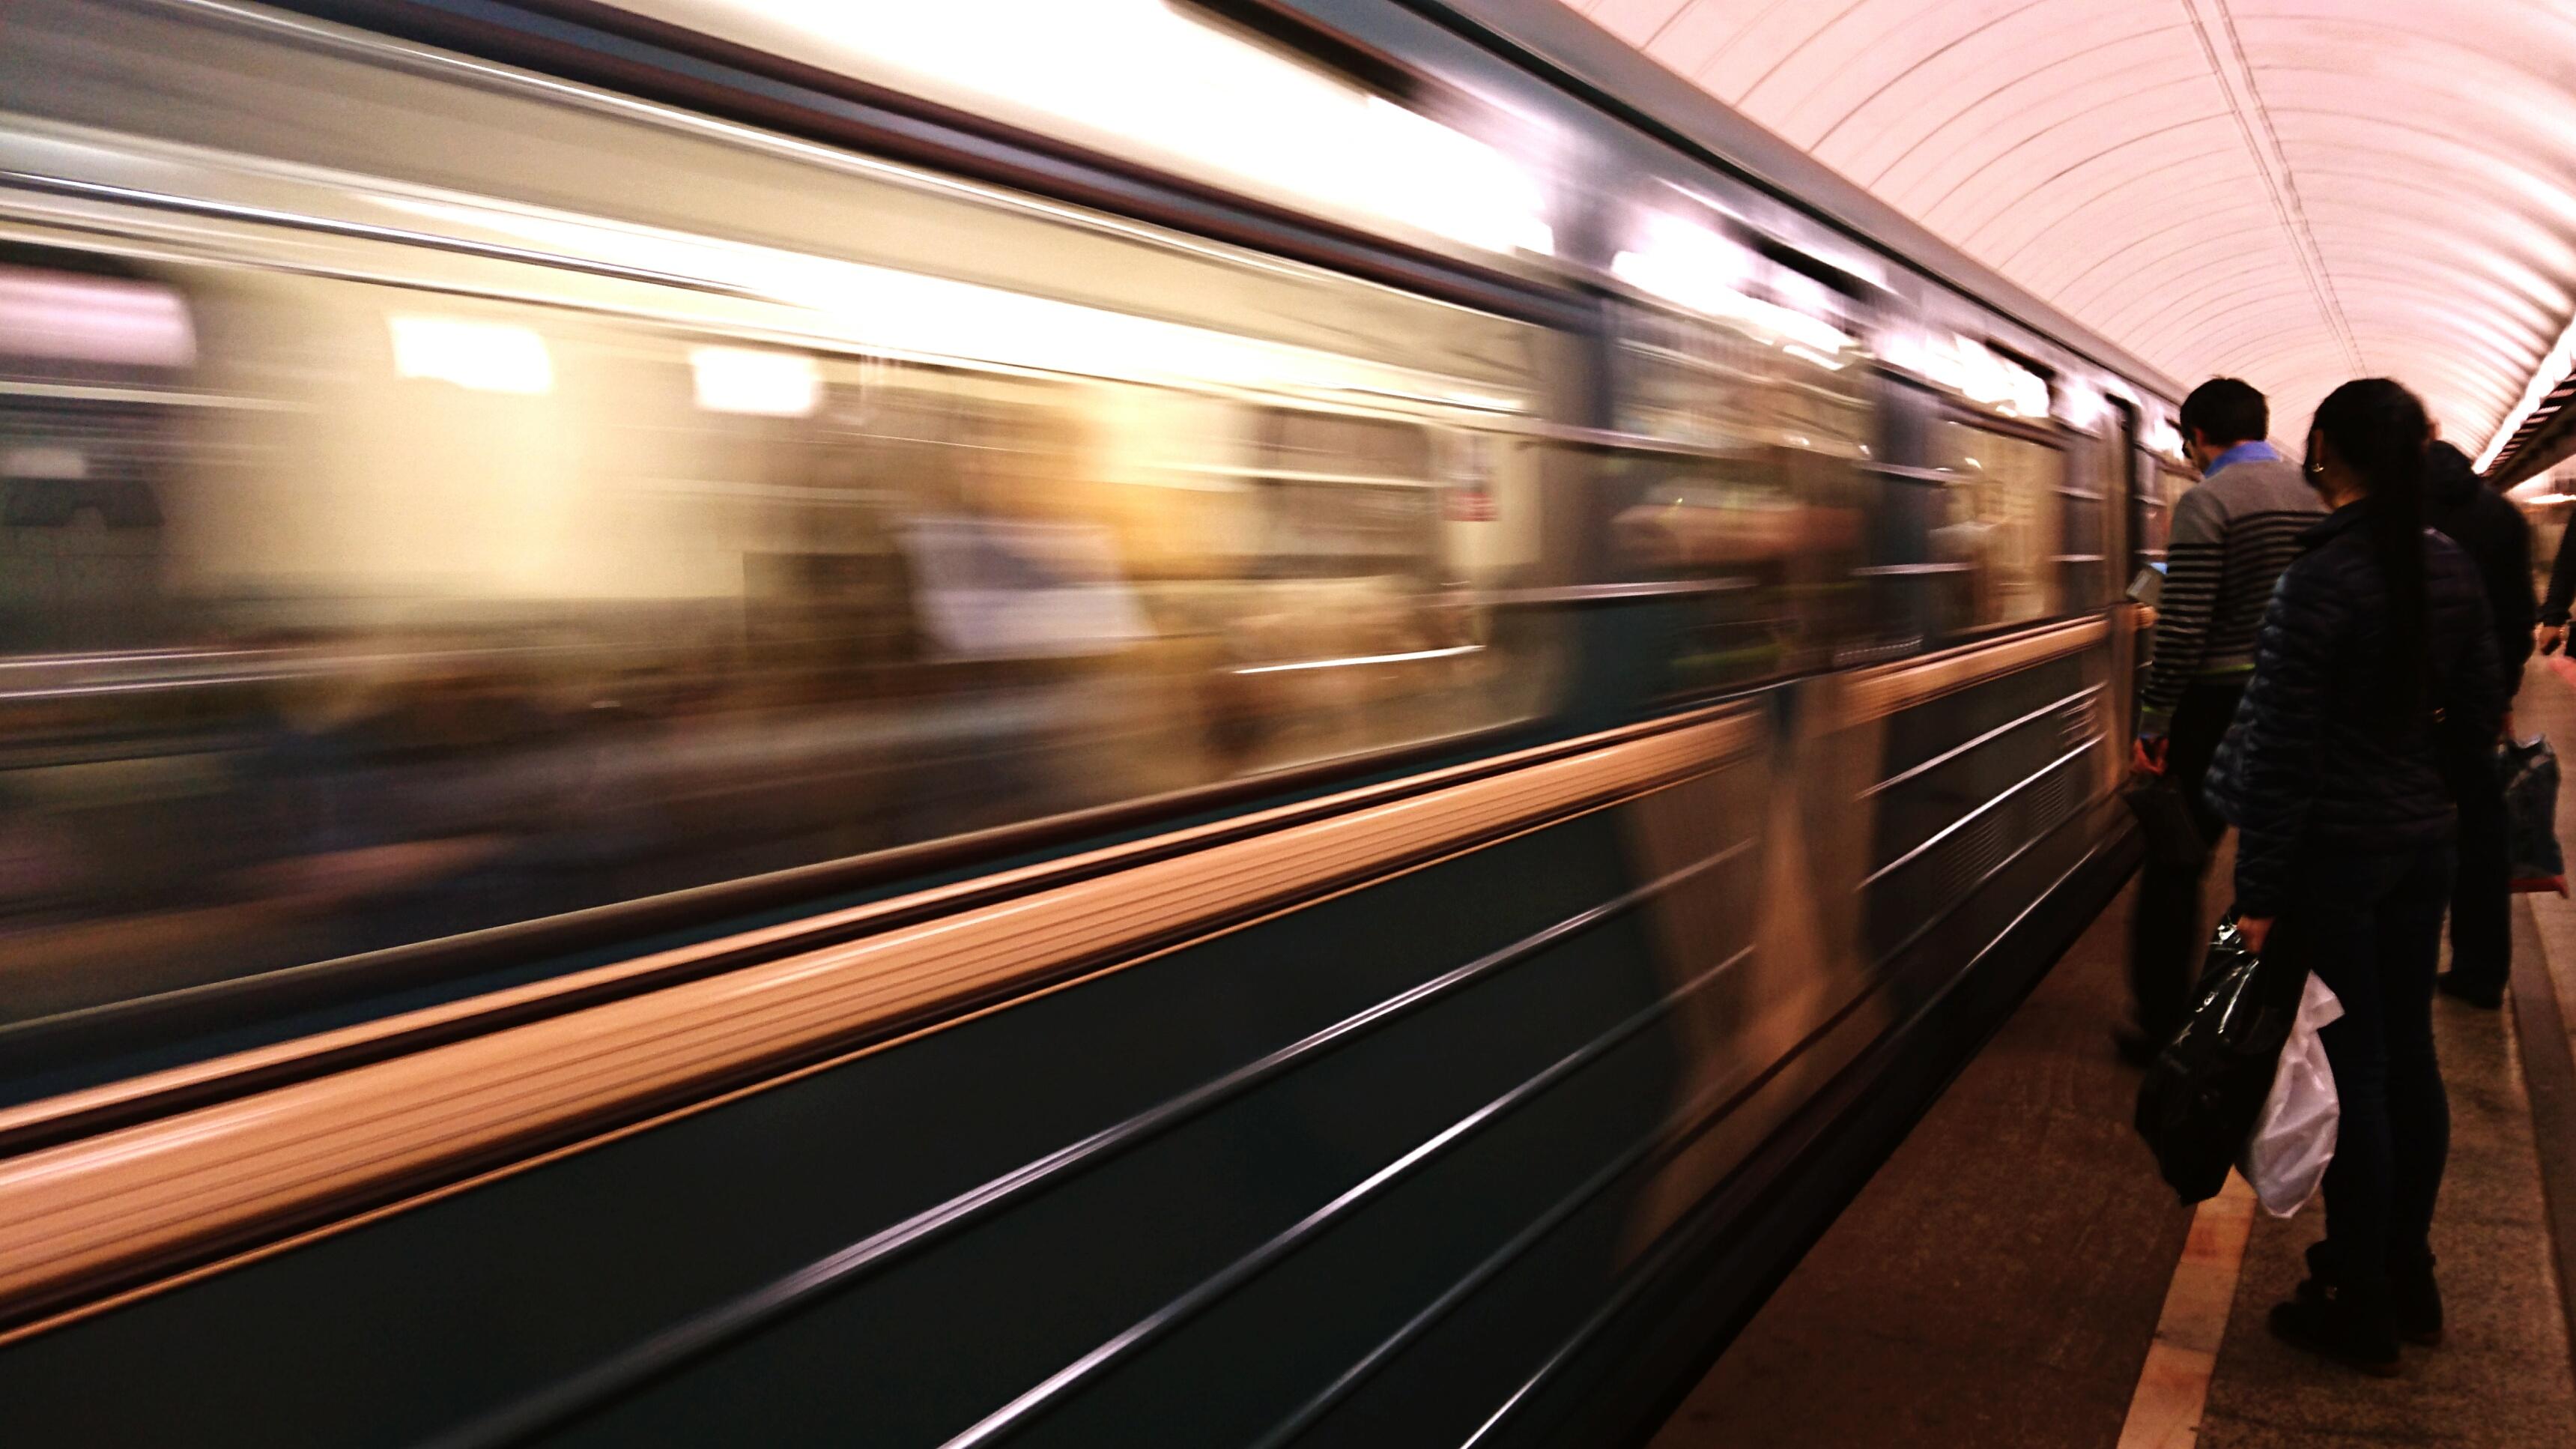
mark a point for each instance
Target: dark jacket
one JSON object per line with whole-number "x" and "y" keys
{"x": 2313, "y": 761}
{"x": 2497, "y": 540}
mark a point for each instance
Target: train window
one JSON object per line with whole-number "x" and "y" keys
{"x": 2165, "y": 486}
{"x": 88, "y": 354}
{"x": 463, "y": 611}
{"x": 1759, "y": 503}
{"x": 2001, "y": 519}
{"x": 2084, "y": 564}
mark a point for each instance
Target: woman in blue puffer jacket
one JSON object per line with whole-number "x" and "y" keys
{"x": 2375, "y": 685}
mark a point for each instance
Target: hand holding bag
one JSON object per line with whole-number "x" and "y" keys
{"x": 2207, "y": 1087}
{"x": 2164, "y": 817}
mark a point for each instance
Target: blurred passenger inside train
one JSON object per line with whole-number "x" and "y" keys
{"x": 2375, "y": 688}
{"x": 2232, "y": 535}
{"x": 2497, "y": 539}
{"x": 338, "y": 617}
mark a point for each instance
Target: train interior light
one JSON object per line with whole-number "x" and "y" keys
{"x": 1141, "y": 76}
{"x": 66, "y": 317}
{"x": 754, "y": 381}
{"x": 1696, "y": 268}
{"x": 1971, "y": 369}
{"x": 896, "y": 312}
{"x": 2080, "y": 405}
{"x": 476, "y": 356}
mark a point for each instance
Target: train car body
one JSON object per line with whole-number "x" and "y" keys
{"x": 710, "y": 739}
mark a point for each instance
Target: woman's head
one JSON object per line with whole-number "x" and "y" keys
{"x": 2367, "y": 446}
{"x": 2368, "y": 439}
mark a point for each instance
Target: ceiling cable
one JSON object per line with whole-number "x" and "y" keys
{"x": 2263, "y": 141}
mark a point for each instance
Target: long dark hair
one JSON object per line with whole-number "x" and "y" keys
{"x": 2378, "y": 430}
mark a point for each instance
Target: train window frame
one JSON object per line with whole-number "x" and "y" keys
{"x": 2044, "y": 433}
{"x": 2172, "y": 481}
{"x": 1805, "y": 628}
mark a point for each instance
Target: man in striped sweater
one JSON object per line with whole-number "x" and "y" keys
{"x": 2231, "y": 537}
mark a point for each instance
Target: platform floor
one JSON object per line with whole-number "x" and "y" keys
{"x": 2017, "y": 1275}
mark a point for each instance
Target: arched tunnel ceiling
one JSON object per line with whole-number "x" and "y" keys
{"x": 2292, "y": 191}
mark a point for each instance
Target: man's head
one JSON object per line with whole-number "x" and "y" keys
{"x": 2220, "y": 414}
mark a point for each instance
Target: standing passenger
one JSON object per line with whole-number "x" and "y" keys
{"x": 2375, "y": 683}
{"x": 2495, "y": 537}
{"x": 2232, "y": 535}
{"x": 2562, "y": 591}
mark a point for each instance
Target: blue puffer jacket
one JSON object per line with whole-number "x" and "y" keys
{"x": 2312, "y": 762}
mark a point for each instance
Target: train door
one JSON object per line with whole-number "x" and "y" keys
{"x": 2139, "y": 511}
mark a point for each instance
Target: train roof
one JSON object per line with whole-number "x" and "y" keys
{"x": 1552, "y": 41}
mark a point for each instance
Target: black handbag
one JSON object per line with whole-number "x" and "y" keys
{"x": 2207, "y": 1085}
{"x": 2173, "y": 837}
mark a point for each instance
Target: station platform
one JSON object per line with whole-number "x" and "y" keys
{"x": 2016, "y": 1274}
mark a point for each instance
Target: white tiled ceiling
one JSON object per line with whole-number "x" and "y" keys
{"x": 2291, "y": 191}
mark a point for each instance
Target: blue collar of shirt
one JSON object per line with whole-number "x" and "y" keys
{"x": 2257, "y": 451}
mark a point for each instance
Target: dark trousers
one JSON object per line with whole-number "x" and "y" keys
{"x": 2370, "y": 926}
{"x": 2164, "y": 927}
{"x": 2481, "y": 933}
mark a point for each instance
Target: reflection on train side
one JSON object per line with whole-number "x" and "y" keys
{"x": 2002, "y": 523}
{"x": 339, "y": 616}
{"x": 1764, "y": 506}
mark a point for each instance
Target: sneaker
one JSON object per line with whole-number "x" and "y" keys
{"x": 2324, "y": 1318}
{"x": 2417, "y": 1301}
{"x": 2475, "y": 993}
{"x": 2326, "y": 1323}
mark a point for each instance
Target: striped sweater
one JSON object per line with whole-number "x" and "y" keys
{"x": 2232, "y": 536}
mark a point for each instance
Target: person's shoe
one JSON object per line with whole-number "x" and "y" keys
{"x": 2327, "y": 1323}
{"x": 2417, "y": 1302}
{"x": 2475, "y": 993}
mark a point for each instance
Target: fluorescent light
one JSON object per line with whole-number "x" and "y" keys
{"x": 1451, "y": 652}
{"x": 1695, "y": 268}
{"x": 1972, "y": 369}
{"x": 765, "y": 384}
{"x": 880, "y": 309}
{"x": 483, "y": 356}
{"x": 43, "y": 462}
{"x": 2030, "y": 393}
{"x": 2553, "y": 370}
{"x": 2080, "y": 405}
{"x": 75, "y": 318}
{"x": 1451, "y": 184}
{"x": 1144, "y": 78}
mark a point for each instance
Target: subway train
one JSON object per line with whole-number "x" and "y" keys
{"x": 1283, "y": 721}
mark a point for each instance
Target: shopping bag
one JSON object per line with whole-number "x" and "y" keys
{"x": 2529, "y": 770}
{"x": 2294, "y": 1136}
{"x": 2207, "y": 1086}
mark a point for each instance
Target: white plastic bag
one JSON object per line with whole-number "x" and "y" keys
{"x": 2286, "y": 1155}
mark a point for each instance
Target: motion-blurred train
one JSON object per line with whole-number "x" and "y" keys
{"x": 1140, "y": 722}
